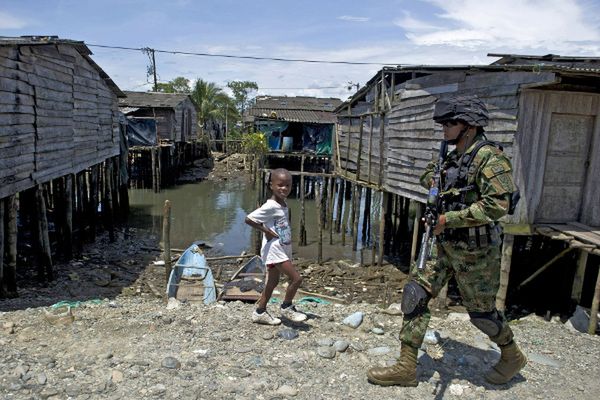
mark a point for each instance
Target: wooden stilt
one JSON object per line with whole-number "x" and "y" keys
{"x": 318, "y": 199}
{"x": 43, "y": 240}
{"x": 356, "y": 215}
{"x": 93, "y": 207}
{"x": 579, "y": 275}
{"x": 595, "y": 305}
{"x": 372, "y": 235}
{"x": 166, "y": 234}
{"x": 2, "y": 207}
{"x": 11, "y": 204}
{"x": 153, "y": 169}
{"x": 415, "y": 238}
{"x": 67, "y": 232}
{"x": 340, "y": 204}
{"x": 107, "y": 207}
{"x": 330, "y": 198}
{"x": 382, "y": 221}
{"x": 302, "y": 239}
{"x": 505, "y": 261}
{"x": 366, "y": 225}
{"x": 344, "y": 222}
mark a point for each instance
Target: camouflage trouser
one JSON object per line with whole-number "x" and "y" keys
{"x": 477, "y": 273}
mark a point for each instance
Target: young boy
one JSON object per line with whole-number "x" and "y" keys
{"x": 272, "y": 220}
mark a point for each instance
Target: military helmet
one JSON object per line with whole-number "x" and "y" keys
{"x": 469, "y": 109}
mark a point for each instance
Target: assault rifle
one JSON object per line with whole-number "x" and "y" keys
{"x": 431, "y": 209}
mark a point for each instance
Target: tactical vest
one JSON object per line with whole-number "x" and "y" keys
{"x": 457, "y": 192}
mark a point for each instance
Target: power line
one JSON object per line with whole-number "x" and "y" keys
{"x": 241, "y": 57}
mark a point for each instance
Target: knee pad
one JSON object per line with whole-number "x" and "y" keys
{"x": 490, "y": 322}
{"x": 414, "y": 300}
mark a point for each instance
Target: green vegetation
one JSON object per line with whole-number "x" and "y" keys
{"x": 242, "y": 94}
{"x": 255, "y": 143}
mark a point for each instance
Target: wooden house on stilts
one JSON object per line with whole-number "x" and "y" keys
{"x": 544, "y": 111}
{"x": 161, "y": 131}
{"x": 62, "y": 151}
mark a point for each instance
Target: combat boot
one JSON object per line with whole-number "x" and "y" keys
{"x": 512, "y": 360}
{"x": 403, "y": 373}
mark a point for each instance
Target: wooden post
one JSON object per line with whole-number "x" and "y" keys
{"x": 68, "y": 217}
{"x": 594, "y": 310}
{"x": 153, "y": 169}
{"x": 415, "y": 238}
{"x": 302, "y": 241}
{"x": 340, "y": 204}
{"x": 360, "y": 137}
{"x": 366, "y": 225}
{"x": 356, "y": 215}
{"x": 93, "y": 206}
{"x": 381, "y": 145}
{"x": 348, "y": 186}
{"x": 107, "y": 207}
{"x": 330, "y": 203}
{"x": 43, "y": 240}
{"x": 370, "y": 147}
{"x": 2, "y": 295}
{"x": 382, "y": 218}
{"x": 318, "y": 198}
{"x": 507, "y": 249}
{"x": 579, "y": 275}
{"x": 166, "y": 233}
{"x": 372, "y": 236}
{"x": 11, "y": 204}
{"x": 158, "y": 167}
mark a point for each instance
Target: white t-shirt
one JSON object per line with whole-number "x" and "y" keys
{"x": 274, "y": 216}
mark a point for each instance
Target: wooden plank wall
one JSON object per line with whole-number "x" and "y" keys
{"x": 411, "y": 137}
{"x": 57, "y": 116}
{"x": 182, "y": 109}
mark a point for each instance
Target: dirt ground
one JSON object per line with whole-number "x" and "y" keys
{"x": 114, "y": 337}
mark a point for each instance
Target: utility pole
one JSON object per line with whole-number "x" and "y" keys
{"x": 154, "y": 71}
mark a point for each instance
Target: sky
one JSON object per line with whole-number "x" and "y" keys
{"x": 391, "y": 32}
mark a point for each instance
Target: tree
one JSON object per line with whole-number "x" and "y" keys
{"x": 177, "y": 85}
{"x": 242, "y": 93}
{"x": 213, "y": 105}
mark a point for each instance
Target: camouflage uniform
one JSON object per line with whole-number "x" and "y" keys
{"x": 471, "y": 255}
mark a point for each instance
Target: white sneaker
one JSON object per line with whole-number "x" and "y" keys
{"x": 292, "y": 314}
{"x": 265, "y": 318}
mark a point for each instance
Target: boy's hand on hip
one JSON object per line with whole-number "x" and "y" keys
{"x": 270, "y": 235}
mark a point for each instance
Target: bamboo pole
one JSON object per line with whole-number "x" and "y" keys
{"x": 543, "y": 268}
{"x": 579, "y": 275}
{"x": 382, "y": 218}
{"x": 595, "y": 305}
{"x": 505, "y": 262}
{"x": 318, "y": 198}
{"x": 302, "y": 239}
{"x": 10, "y": 265}
{"x": 166, "y": 233}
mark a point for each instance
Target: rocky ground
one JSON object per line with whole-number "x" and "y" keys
{"x": 115, "y": 338}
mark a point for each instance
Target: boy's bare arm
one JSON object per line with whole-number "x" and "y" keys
{"x": 268, "y": 233}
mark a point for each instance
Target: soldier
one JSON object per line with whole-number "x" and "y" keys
{"x": 476, "y": 191}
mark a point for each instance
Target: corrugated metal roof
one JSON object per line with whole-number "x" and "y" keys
{"x": 77, "y": 44}
{"x": 152, "y": 99}
{"x": 295, "y": 109}
{"x": 308, "y": 116}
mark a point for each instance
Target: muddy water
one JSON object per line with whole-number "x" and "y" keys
{"x": 214, "y": 211}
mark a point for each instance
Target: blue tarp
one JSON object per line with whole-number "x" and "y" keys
{"x": 141, "y": 132}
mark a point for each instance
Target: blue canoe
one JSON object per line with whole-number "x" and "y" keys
{"x": 191, "y": 278}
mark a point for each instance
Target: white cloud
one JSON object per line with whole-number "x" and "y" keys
{"x": 556, "y": 24}
{"x": 352, "y": 18}
{"x": 8, "y": 21}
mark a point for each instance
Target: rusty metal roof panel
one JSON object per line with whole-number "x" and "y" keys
{"x": 295, "y": 109}
{"x": 306, "y": 116}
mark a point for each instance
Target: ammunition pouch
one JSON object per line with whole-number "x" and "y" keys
{"x": 475, "y": 236}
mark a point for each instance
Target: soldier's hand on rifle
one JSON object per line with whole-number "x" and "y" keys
{"x": 440, "y": 225}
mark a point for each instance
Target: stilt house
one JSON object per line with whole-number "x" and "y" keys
{"x": 60, "y": 145}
